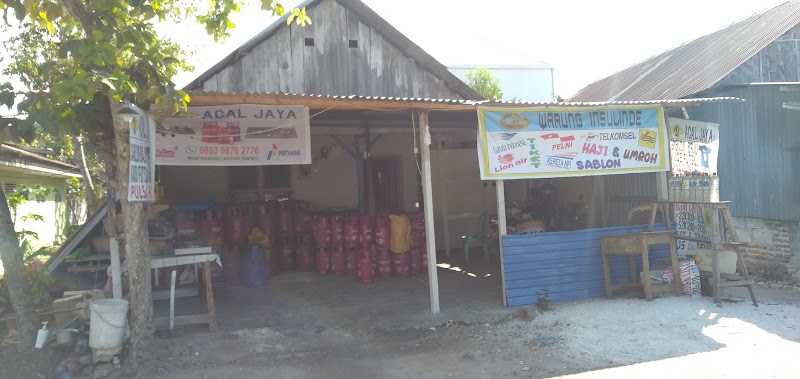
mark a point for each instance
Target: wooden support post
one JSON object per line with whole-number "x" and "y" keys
{"x": 212, "y": 308}
{"x": 501, "y": 231}
{"x": 116, "y": 269}
{"x": 427, "y": 193}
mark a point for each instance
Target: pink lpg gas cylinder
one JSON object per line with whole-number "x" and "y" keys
{"x": 211, "y": 229}
{"x": 235, "y": 230}
{"x": 338, "y": 261}
{"x": 305, "y": 255}
{"x": 366, "y": 273}
{"x": 323, "y": 258}
{"x": 285, "y": 219}
{"x": 382, "y": 233}
{"x": 351, "y": 260}
{"x": 265, "y": 222}
{"x": 401, "y": 265}
{"x": 337, "y": 230}
{"x": 424, "y": 253}
{"x": 367, "y": 236}
{"x": 416, "y": 260}
{"x": 352, "y": 236}
{"x": 384, "y": 263}
{"x": 234, "y": 131}
{"x": 287, "y": 255}
{"x": 322, "y": 229}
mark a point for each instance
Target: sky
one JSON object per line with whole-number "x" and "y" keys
{"x": 584, "y": 40}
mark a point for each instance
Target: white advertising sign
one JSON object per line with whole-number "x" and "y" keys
{"x": 141, "y": 164}
{"x": 694, "y": 146}
{"x": 235, "y": 135}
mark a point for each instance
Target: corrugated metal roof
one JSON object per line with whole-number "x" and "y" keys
{"x": 200, "y": 98}
{"x": 697, "y": 65}
{"x": 369, "y": 18}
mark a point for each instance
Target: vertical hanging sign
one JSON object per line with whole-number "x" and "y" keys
{"x": 141, "y": 165}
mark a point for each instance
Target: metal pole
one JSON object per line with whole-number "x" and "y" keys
{"x": 501, "y": 231}
{"x": 427, "y": 195}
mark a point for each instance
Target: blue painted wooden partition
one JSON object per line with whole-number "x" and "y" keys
{"x": 567, "y": 264}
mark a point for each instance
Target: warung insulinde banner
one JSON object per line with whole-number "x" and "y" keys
{"x": 235, "y": 135}
{"x": 521, "y": 143}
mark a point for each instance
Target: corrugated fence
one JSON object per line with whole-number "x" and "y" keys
{"x": 567, "y": 265}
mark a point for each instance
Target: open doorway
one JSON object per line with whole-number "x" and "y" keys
{"x": 385, "y": 178}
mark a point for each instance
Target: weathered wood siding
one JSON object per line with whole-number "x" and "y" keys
{"x": 283, "y": 62}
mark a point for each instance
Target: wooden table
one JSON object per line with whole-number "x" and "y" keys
{"x": 723, "y": 237}
{"x": 181, "y": 260}
{"x": 632, "y": 244}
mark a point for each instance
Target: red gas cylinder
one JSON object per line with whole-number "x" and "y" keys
{"x": 265, "y": 223}
{"x": 384, "y": 263}
{"x": 211, "y": 229}
{"x": 210, "y": 132}
{"x": 323, "y": 258}
{"x": 285, "y": 219}
{"x": 287, "y": 256}
{"x": 366, "y": 273}
{"x": 185, "y": 223}
{"x": 302, "y": 221}
{"x": 234, "y": 131}
{"x": 417, "y": 237}
{"x": 224, "y": 136}
{"x": 401, "y": 265}
{"x": 365, "y": 227}
{"x": 351, "y": 260}
{"x": 322, "y": 229}
{"x": 352, "y": 235}
{"x": 338, "y": 261}
{"x": 382, "y": 233}
{"x": 337, "y": 230}
{"x": 235, "y": 233}
{"x": 417, "y": 219}
{"x": 415, "y": 256}
{"x": 305, "y": 255}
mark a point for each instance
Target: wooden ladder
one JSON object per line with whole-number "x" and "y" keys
{"x": 723, "y": 237}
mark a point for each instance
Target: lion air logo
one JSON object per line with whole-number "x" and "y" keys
{"x": 505, "y": 159}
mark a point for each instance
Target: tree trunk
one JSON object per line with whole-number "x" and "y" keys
{"x": 136, "y": 239}
{"x": 80, "y": 157}
{"x": 17, "y": 281}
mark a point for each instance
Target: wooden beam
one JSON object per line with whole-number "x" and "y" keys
{"x": 501, "y": 231}
{"x": 427, "y": 195}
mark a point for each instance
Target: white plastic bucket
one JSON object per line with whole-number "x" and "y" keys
{"x": 107, "y": 323}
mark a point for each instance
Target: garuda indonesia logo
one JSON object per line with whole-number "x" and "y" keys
{"x": 514, "y": 121}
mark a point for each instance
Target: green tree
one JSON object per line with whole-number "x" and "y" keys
{"x": 485, "y": 83}
{"x": 78, "y": 60}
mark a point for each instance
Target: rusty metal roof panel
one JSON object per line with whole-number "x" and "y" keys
{"x": 697, "y": 65}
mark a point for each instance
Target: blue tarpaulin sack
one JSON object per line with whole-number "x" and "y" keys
{"x": 254, "y": 269}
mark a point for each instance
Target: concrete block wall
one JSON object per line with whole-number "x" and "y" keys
{"x": 773, "y": 245}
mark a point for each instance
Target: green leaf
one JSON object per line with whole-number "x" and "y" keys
{"x": 97, "y": 35}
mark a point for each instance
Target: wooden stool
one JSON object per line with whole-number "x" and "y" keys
{"x": 633, "y": 244}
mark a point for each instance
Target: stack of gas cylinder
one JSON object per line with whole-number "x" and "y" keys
{"x": 350, "y": 244}
{"x": 336, "y": 243}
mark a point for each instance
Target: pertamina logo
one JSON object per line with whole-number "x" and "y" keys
{"x": 647, "y": 138}
{"x": 273, "y": 152}
{"x": 514, "y": 121}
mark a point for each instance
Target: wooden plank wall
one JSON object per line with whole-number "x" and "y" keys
{"x": 567, "y": 264}
{"x": 283, "y": 63}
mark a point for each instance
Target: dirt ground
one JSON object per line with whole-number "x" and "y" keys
{"x": 304, "y": 326}
{"x": 306, "y": 334}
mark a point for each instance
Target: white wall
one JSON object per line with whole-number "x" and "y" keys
{"x": 524, "y": 83}
{"x": 53, "y": 212}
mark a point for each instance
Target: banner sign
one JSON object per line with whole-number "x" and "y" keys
{"x": 521, "y": 143}
{"x": 694, "y": 146}
{"x": 235, "y": 135}
{"x": 694, "y": 221}
{"x": 141, "y": 164}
